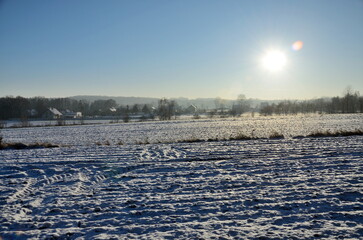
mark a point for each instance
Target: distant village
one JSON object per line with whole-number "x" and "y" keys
{"x": 136, "y": 111}
{"x": 53, "y": 113}
{"x": 62, "y": 109}
{"x": 66, "y": 109}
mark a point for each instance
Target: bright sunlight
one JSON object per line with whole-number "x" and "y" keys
{"x": 274, "y": 60}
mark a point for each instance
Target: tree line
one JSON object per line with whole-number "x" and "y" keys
{"x": 20, "y": 107}
{"x": 27, "y": 108}
{"x": 351, "y": 102}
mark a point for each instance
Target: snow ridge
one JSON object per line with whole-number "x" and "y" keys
{"x": 261, "y": 189}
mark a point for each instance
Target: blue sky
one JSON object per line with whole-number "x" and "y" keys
{"x": 165, "y": 48}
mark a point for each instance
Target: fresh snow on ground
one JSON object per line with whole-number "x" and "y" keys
{"x": 160, "y": 131}
{"x": 306, "y": 188}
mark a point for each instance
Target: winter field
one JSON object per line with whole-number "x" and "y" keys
{"x": 154, "y": 181}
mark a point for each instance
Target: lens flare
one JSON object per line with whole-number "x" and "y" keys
{"x": 296, "y": 46}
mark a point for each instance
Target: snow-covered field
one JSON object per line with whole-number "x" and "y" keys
{"x": 155, "y": 132}
{"x": 290, "y": 188}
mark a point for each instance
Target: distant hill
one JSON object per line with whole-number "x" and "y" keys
{"x": 185, "y": 102}
{"x": 207, "y": 103}
{"x": 119, "y": 100}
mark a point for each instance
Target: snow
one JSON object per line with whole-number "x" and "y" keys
{"x": 289, "y": 188}
{"x": 155, "y": 132}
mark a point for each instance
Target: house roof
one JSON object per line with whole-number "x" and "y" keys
{"x": 192, "y": 107}
{"x": 55, "y": 111}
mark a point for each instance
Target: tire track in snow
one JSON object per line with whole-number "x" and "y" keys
{"x": 227, "y": 190}
{"x": 23, "y": 192}
{"x": 50, "y": 187}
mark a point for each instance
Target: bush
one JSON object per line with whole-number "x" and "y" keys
{"x": 1, "y": 142}
{"x": 241, "y": 136}
{"x": 340, "y": 133}
{"x": 321, "y": 134}
{"x": 18, "y": 146}
{"x": 276, "y": 135}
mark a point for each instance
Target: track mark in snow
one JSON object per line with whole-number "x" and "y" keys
{"x": 22, "y": 192}
{"x": 198, "y": 190}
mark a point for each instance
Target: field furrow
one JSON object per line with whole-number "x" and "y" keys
{"x": 289, "y": 188}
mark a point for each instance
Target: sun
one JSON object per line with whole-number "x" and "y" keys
{"x": 274, "y": 60}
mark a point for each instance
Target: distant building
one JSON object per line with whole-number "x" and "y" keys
{"x": 52, "y": 113}
{"x": 70, "y": 114}
{"x": 191, "y": 109}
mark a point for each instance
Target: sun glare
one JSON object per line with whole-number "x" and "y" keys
{"x": 274, "y": 60}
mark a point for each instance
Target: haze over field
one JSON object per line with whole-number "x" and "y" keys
{"x": 194, "y": 49}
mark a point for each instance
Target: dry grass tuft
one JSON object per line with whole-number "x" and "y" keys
{"x": 356, "y": 132}
{"x": 340, "y": 133}
{"x": 276, "y": 135}
{"x": 192, "y": 140}
{"x": 146, "y": 141}
{"x": 106, "y": 143}
{"x": 241, "y": 137}
{"x": 19, "y": 146}
{"x": 321, "y": 134}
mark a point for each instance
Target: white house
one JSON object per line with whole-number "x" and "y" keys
{"x": 70, "y": 114}
{"x": 191, "y": 109}
{"x": 52, "y": 113}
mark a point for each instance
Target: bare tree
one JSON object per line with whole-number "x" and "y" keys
{"x": 241, "y": 105}
{"x": 166, "y": 109}
{"x": 220, "y": 104}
